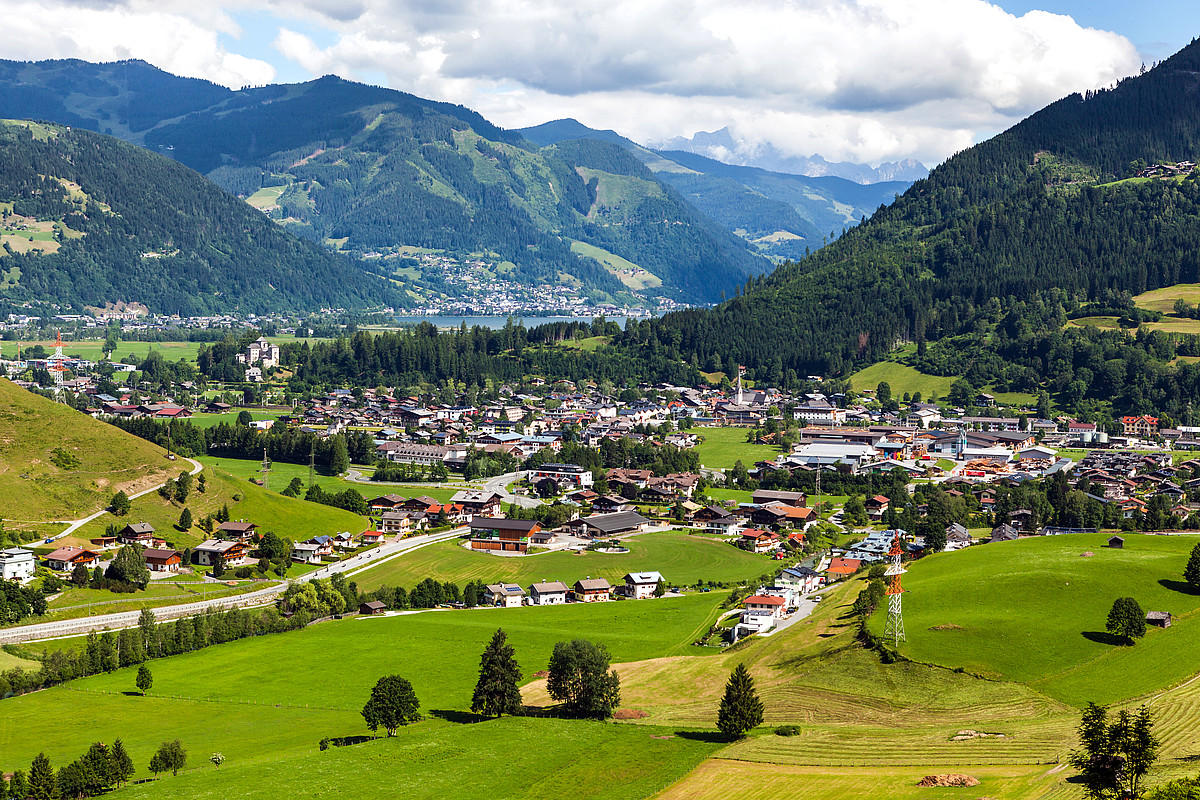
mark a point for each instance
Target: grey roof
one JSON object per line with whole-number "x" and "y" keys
{"x": 548, "y": 588}
{"x": 505, "y": 588}
{"x": 643, "y": 577}
{"x": 592, "y": 585}
{"x": 617, "y": 521}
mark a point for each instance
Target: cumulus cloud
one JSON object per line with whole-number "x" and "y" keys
{"x": 867, "y": 80}
{"x": 180, "y": 38}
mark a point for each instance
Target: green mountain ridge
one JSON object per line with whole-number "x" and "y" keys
{"x": 1002, "y": 241}
{"x": 89, "y": 219}
{"x": 378, "y": 172}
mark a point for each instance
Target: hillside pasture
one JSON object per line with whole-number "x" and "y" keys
{"x": 275, "y": 694}
{"x": 1034, "y": 611}
{"x": 681, "y": 558}
{"x": 901, "y": 378}
{"x": 1163, "y": 300}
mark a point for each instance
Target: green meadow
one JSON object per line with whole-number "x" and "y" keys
{"x": 724, "y": 447}
{"x": 1034, "y": 611}
{"x": 278, "y": 695}
{"x": 681, "y": 558}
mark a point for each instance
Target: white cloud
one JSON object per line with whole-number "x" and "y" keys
{"x": 866, "y": 80}
{"x": 179, "y": 38}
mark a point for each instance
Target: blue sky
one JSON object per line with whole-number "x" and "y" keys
{"x": 861, "y": 80}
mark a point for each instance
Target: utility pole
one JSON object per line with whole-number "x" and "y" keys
{"x": 266, "y": 467}
{"x": 312, "y": 462}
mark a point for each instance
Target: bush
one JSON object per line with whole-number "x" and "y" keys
{"x": 787, "y": 730}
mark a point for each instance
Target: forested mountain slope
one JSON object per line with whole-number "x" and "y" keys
{"x": 88, "y": 219}
{"x": 376, "y": 172}
{"x": 1040, "y": 213}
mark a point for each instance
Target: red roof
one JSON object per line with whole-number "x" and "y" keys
{"x": 764, "y": 600}
{"x": 844, "y": 566}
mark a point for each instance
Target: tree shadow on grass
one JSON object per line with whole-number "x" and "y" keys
{"x": 1177, "y": 586}
{"x": 712, "y": 737}
{"x": 132, "y": 694}
{"x": 1102, "y": 637}
{"x": 459, "y": 717}
{"x": 346, "y": 741}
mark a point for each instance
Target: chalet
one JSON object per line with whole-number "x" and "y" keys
{"x": 231, "y": 553}
{"x": 137, "y": 533}
{"x": 507, "y": 535}
{"x": 422, "y": 503}
{"x": 800, "y": 579}
{"x": 592, "y": 590}
{"x": 639, "y": 585}
{"x": 604, "y": 525}
{"x": 1004, "y": 533}
{"x": 371, "y": 538}
{"x": 17, "y": 565}
{"x": 241, "y": 531}
{"x": 571, "y": 475}
{"x": 216, "y": 407}
{"x": 608, "y": 504}
{"x": 768, "y": 516}
{"x": 344, "y": 541}
{"x": 477, "y": 503}
{"x": 1161, "y": 619}
{"x": 548, "y": 593}
{"x": 104, "y": 542}
{"x": 842, "y": 567}
{"x": 386, "y": 502}
{"x": 877, "y": 506}
{"x": 372, "y": 607}
{"x": 306, "y": 553}
{"x": 759, "y": 541}
{"x": 506, "y": 595}
{"x": 402, "y": 522}
{"x": 162, "y": 560}
{"x": 957, "y": 536}
{"x": 774, "y": 606}
{"x": 69, "y": 557}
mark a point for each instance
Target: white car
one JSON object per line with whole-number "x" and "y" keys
{"x": 815, "y": 598}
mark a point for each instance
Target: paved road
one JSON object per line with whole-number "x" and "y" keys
{"x": 127, "y": 619}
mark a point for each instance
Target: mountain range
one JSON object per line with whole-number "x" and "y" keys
{"x": 722, "y": 146}
{"x": 380, "y": 175}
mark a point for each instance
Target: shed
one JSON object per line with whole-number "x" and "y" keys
{"x": 372, "y": 607}
{"x": 1161, "y": 619}
{"x": 1117, "y": 542}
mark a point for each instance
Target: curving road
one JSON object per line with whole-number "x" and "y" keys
{"x": 127, "y": 619}
{"x": 79, "y": 523}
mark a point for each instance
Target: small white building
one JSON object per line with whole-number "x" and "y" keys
{"x": 17, "y": 565}
{"x": 506, "y": 595}
{"x": 639, "y": 585}
{"x": 550, "y": 593}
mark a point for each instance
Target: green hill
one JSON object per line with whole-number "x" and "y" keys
{"x": 59, "y": 464}
{"x": 1034, "y": 610}
{"x": 86, "y": 219}
{"x": 376, "y": 171}
{"x": 1009, "y": 237}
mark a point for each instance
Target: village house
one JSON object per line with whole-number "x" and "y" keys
{"x": 141, "y": 533}
{"x": 17, "y": 565}
{"x": 1142, "y": 427}
{"x": 477, "y": 503}
{"x": 505, "y": 535}
{"x": 65, "y": 558}
{"x": 564, "y": 475}
{"x": 232, "y": 554}
{"x": 548, "y": 593}
{"x": 241, "y": 531}
{"x": 162, "y": 560}
{"x": 757, "y": 540}
{"x": 592, "y": 590}
{"x": 506, "y": 595}
{"x": 801, "y": 580}
{"x": 640, "y": 585}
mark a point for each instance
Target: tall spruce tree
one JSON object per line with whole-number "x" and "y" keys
{"x": 120, "y": 763}
{"x": 497, "y": 692}
{"x": 42, "y": 783}
{"x": 740, "y": 709}
{"x": 1191, "y": 573}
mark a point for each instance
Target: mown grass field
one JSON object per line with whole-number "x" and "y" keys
{"x": 681, "y": 558}
{"x": 93, "y": 349}
{"x": 1034, "y": 611}
{"x": 203, "y": 419}
{"x": 902, "y": 378}
{"x": 724, "y": 447}
{"x": 295, "y": 519}
{"x": 312, "y": 683}
{"x": 436, "y": 760}
{"x": 281, "y": 474}
{"x": 100, "y": 459}
{"x": 1164, "y": 299}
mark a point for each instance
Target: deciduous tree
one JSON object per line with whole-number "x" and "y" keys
{"x": 581, "y": 680}
{"x": 393, "y": 703}
{"x": 144, "y": 679}
{"x": 1126, "y": 619}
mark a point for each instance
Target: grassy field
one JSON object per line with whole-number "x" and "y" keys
{"x": 280, "y": 694}
{"x": 681, "y": 558}
{"x": 903, "y": 378}
{"x": 94, "y": 459}
{"x": 203, "y": 419}
{"x": 93, "y": 349}
{"x": 438, "y": 760}
{"x": 281, "y": 474}
{"x": 1093, "y": 322}
{"x": 9, "y": 661}
{"x": 723, "y": 447}
{"x": 292, "y": 518}
{"x": 1034, "y": 611}
{"x": 1164, "y": 299}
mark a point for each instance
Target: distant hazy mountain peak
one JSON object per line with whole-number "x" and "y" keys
{"x": 722, "y": 146}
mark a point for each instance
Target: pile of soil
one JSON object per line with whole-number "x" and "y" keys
{"x": 963, "y": 736}
{"x": 542, "y": 673}
{"x": 953, "y": 779}
{"x": 629, "y": 713}
{"x": 947, "y": 627}
{"x": 1086, "y": 554}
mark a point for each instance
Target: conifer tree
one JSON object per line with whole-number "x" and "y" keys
{"x": 121, "y": 764}
{"x": 740, "y": 710}
{"x": 42, "y": 783}
{"x": 497, "y": 692}
{"x": 1191, "y": 573}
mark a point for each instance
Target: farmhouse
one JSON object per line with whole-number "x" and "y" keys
{"x": 508, "y": 535}
{"x": 639, "y": 585}
{"x": 162, "y": 560}
{"x": 236, "y": 530}
{"x": 757, "y": 540}
{"x": 592, "y": 590}
{"x": 764, "y": 496}
{"x": 137, "y": 533}
{"x": 69, "y": 557}
{"x": 549, "y": 593}
{"x": 233, "y": 554}
{"x": 508, "y": 595}
{"x": 16, "y": 565}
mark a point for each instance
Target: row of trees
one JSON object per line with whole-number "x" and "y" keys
{"x": 99, "y": 770}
